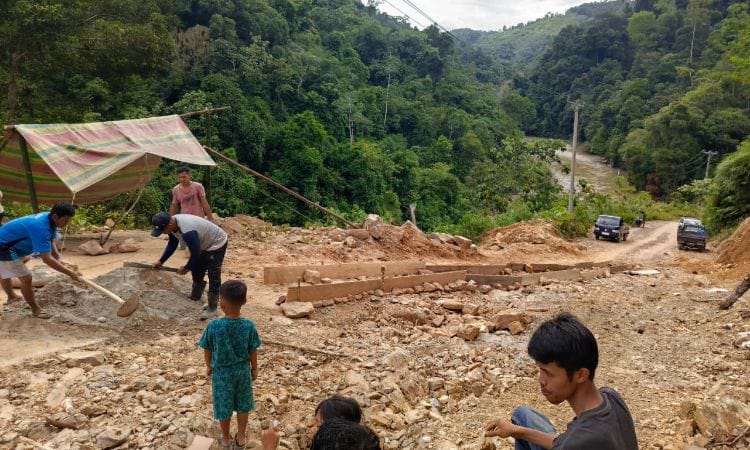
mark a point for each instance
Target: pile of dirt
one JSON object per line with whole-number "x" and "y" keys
{"x": 408, "y": 241}
{"x": 243, "y": 225}
{"x": 736, "y": 249}
{"x": 537, "y": 236}
{"x": 162, "y": 298}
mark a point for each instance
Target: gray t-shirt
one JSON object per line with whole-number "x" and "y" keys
{"x": 211, "y": 236}
{"x": 607, "y": 427}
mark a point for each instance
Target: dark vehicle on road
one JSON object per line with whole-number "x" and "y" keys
{"x": 611, "y": 227}
{"x": 691, "y": 234}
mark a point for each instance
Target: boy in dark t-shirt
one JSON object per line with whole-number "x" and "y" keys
{"x": 567, "y": 355}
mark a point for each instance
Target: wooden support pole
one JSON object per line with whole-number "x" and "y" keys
{"x": 739, "y": 291}
{"x": 279, "y": 186}
{"x": 29, "y": 175}
{"x": 205, "y": 111}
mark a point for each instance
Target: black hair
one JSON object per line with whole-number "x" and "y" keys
{"x": 234, "y": 291}
{"x": 63, "y": 209}
{"x": 339, "y": 434}
{"x": 182, "y": 169}
{"x": 567, "y": 342}
{"x": 338, "y": 407}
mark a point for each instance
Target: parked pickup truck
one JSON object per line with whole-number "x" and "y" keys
{"x": 611, "y": 227}
{"x": 691, "y": 234}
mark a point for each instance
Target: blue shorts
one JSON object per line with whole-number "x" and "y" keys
{"x": 232, "y": 390}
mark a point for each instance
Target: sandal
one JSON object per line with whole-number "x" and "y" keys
{"x": 42, "y": 315}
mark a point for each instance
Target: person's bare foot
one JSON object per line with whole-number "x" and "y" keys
{"x": 14, "y": 298}
{"x": 39, "y": 314}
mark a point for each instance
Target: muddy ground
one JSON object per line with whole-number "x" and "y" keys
{"x": 664, "y": 346}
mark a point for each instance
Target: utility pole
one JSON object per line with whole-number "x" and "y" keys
{"x": 572, "y": 193}
{"x": 708, "y": 163}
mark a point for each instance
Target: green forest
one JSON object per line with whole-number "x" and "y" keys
{"x": 661, "y": 81}
{"x": 363, "y": 113}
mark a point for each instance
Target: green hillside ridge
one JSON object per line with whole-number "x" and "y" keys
{"x": 523, "y": 43}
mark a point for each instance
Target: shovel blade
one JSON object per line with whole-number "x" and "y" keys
{"x": 129, "y": 306}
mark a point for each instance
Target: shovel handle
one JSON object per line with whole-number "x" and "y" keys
{"x": 148, "y": 266}
{"x": 103, "y": 291}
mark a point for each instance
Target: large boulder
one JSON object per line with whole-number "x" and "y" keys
{"x": 462, "y": 242}
{"x": 297, "y": 310}
{"x": 443, "y": 238}
{"x": 127, "y": 246}
{"x": 91, "y": 248}
{"x": 374, "y": 225}
{"x": 311, "y": 276}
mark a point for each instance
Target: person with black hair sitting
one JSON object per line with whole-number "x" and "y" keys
{"x": 342, "y": 434}
{"x": 338, "y": 407}
{"x": 23, "y": 236}
{"x": 330, "y": 432}
{"x": 567, "y": 356}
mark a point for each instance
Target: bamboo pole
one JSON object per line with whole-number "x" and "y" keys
{"x": 205, "y": 111}
{"x": 29, "y": 175}
{"x": 280, "y": 187}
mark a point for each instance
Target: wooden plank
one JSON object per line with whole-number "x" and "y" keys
{"x": 333, "y": 290}
{"x": 601, "y": 272}
{"x": 483, "y": 269}
{"x": 326, "y": 291}
{"x": 290, "y": 274}
{"x": 416, "y": 280}
{"x": 563, "y": 275}
{"x": 616, "y": 268}
{"x": 550, "y": 267}
{"x": 504, "y": 280}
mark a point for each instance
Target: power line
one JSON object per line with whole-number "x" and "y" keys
{"x": 433, "y": 21}
{"x": 405, "y": 15}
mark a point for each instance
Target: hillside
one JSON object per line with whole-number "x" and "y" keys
{"x": 522, "y": 44}
{"x": 662, "y": 85}
{"x": 352, "y": 108}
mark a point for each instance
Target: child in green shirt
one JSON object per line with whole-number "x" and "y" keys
{"x": 230, "y": 347}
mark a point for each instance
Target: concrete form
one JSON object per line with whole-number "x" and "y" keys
{"x": 327, "y": 291}
{"x": 290, "y": 274}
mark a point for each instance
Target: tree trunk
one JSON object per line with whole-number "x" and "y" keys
{"x": 387, "y": 88}
{"x": 13, "y": 73}
{"x": 737, "y": 294}
{"x": 692, "y": 41}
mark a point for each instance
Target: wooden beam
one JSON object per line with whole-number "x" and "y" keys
{"x": 29, "y": 175}
{"x": 737, "y": 294}
{"x": 290, "y": 274}
{"x": 334, "y": 290}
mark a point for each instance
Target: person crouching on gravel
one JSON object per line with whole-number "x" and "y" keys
{"x": 207, "y": 243}
{"x": 567, "y": 356}
{"x": 230, "y": 348}
{"x": 20, "y": 238}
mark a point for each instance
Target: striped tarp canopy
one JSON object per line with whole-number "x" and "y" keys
{"x": 90, "y": 162}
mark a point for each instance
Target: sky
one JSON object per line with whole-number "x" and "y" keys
{"x": 486, "y": 15}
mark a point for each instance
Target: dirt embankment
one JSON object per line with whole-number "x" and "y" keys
{"x": 736, "y": 249}
{"x": 428, "y": 367}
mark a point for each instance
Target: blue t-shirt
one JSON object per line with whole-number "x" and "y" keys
{"x": 26, "y": 235}
{"x": 230, "y": 341}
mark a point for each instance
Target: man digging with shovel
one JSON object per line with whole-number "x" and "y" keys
{"x": 207, "y": 244}
{"x": 24, "y": 236}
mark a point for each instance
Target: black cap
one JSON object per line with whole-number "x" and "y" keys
{"x": 159, "y": 221}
